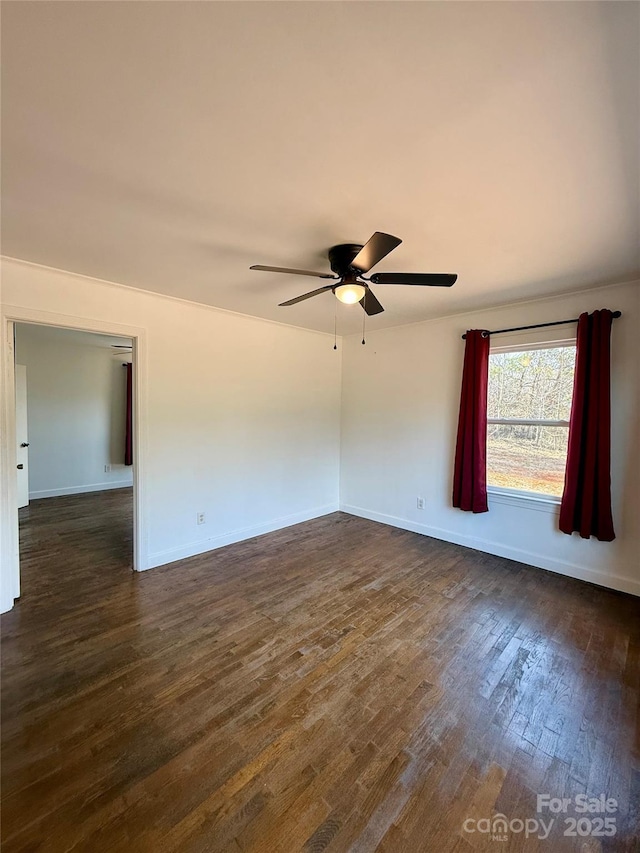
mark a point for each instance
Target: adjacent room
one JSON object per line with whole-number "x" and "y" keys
{"x": 320, "y": 491}
{"x": 74, "y": 440}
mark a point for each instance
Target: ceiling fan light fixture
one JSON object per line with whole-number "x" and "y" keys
{"x": 350, "y": 293}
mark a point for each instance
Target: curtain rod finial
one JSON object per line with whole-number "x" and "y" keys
{"x": 485, "y": 334}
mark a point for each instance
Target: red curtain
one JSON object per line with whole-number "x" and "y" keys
{"x": 470, "y": 470}
{"x": 128, "y": 431}
{"x": 586, "y": 500}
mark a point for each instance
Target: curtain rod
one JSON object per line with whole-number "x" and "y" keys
{"x": 615, "y": 315}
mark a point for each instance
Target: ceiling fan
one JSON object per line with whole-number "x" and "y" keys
{"x": 349, "y": 262}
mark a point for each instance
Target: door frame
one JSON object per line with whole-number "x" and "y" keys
{"x": 9, "y": 530}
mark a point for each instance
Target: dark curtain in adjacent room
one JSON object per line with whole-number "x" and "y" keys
{"x": 586, "y": 500}
{"x": 470, "y": 470}
{"x": 128, "y": 432}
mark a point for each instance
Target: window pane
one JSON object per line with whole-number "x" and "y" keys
{"x": 531, "y": 458}
{"x": 536, "y": 384}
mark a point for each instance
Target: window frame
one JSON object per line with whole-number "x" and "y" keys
{"x": 522, "y": 497}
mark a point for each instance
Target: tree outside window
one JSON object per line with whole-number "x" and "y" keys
{"x": 529, "y": 405}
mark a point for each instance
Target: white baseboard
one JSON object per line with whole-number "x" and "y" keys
{"x": 561, "y": 567}
{"x": 161, "y": 558}
{"x": 79, "y": 490}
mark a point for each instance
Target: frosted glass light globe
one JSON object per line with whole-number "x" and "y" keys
{"x": 350, "y": 293}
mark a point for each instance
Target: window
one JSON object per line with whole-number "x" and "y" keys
{"x": 529, "y": 404}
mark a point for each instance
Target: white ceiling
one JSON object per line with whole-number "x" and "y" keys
{"x": 169, "y": 146}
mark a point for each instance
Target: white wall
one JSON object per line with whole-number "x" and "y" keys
{"x": 400, "y": 403}
{"x": 76, "y": 396}
{"x": 242, "y": 415}
{"x": 243, "y": 422}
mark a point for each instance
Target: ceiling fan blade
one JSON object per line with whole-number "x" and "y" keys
{"x": 307, "y": 295}
{"x": 294, "y": 272}
{"x": 371, "y": 304}
{"x": 376, "y": 248}
{"x": 427, "y": 279}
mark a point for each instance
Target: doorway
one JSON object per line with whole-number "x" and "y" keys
{"x": 74, "y": 439}
{"x": 34, "y": 489}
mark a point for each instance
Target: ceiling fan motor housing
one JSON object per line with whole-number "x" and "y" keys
{"x": 341, "y": 258}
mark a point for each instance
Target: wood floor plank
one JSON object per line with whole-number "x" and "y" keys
{"x": 336, "y": 686}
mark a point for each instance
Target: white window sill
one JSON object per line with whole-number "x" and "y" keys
{"x": 524, "y": 500}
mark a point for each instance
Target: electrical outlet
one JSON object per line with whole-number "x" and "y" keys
{"x": 420, "y": 503}
{"x": 107, "y": 469}
{"x": 200, "y": 518}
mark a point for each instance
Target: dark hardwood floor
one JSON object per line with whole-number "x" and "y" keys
{"x": 335, "y": 686}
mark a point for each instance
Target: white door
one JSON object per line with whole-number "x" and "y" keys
{"x": 22, "y": 439}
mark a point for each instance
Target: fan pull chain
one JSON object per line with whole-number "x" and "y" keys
{"x": 364, "y": 317}
{"x": 335, "y": 324}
